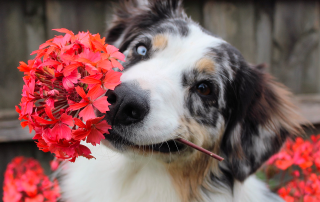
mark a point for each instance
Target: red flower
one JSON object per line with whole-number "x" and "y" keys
{"x": 110, "y": 81}
{"x": 301, "y": 159}
{"x": 284, "y": 161}
{"x": 67, "y": 80}
{"x": 93, "y": 130}
{"x": 96, "y": 100}
{"x": 60, "y": 127}
{"x": 25, "y": 180}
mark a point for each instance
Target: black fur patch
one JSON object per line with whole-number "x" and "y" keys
{"x": 204, "y": 109}
{"x": 242, "y": 95}
{"x": 132, "y": 21}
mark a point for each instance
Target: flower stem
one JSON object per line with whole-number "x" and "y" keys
{"x": 190, "y": 144}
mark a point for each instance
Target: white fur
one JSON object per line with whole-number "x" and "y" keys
{"x": 113, "y": 177}
{"x": 117, "y": 178}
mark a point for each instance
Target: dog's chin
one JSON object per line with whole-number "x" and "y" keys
{"x": 121, "y": 144}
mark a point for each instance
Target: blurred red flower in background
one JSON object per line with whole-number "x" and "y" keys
{"x": 25, "y": 181}
{"x": 300, "y": 159}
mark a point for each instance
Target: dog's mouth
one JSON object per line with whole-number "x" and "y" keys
{"x": 168, "y": 146}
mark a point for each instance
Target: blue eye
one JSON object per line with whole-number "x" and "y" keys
{"x": 142, "y": 50}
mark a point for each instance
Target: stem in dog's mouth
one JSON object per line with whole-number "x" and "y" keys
{"x": 190, "y": 144}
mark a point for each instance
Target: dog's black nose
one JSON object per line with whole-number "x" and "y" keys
{"x": 129, "y": 104}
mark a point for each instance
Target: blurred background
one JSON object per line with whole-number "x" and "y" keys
{"x": 282, "y": 34}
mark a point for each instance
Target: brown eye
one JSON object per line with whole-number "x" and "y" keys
{"x": 203, "y": 89}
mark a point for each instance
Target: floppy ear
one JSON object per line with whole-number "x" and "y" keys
{"x": 262, "y": 117}
{"x": 133, "y": 16}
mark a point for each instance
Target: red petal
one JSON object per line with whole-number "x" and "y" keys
{"x": 103, "y": 126}
{"x": 91, "y": 69}
{"x": 42, "y": 145}
{"x": 42, "y": 120}
{"x": 67, "y": 119}
{"x": 115, "y": 63}
{"x": 67, "y": 84}
{"x": 96, "y": 92}
{"x": 94, "y": 121}
{"x": 34, "y": 52}
{"x": 74, "y": 76}
{"x": 18, "y": 109}
{"x": 24, "y": 67}
{"x": 67, "y": 57}
{"x": 48, "y": 43}
{"x": 85, "y": 60}
{"x": 102, "y": 104}
{"x": 49, "y": 113}
{"x": 69, "y": 69}
{"x": 99, "y": 46}
{"x": 49, "y": 137}
{"x": 62, "y": 131}
{"x": 24, "y": 124}
{"x": 118, "y": 55}
{"x": 79, "y": 123}
{"x": 64, "y": 30}
{"x": 87, "y": 113}
{"x": 104, "y": 64}
{"x": 50, "y": 62}
{"x": 90, "y": 80}
{"x": 40, "y": 53}
{"x": 50, "y": 102}
{"x": 112, "y": 79}
{"x": 95, "y": 137}
{"x": 81, "y": 92}
{"x": 77, "y": 106}
{"x": 111, "y": 49}
{"x": 85, "y": 151}
{"x": 80, "y": 134}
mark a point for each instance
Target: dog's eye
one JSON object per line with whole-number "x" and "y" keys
{"x": 203, "y": 88}
{"x": 142, "y": 50}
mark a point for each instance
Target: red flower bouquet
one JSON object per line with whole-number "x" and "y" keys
{"x": 64, "y": 85}
{"x": 25, "y": 180}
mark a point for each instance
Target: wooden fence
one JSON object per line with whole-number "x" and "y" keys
{"x": 283, "y": 34}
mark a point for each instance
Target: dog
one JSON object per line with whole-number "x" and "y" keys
{"x": 181, "y": 81}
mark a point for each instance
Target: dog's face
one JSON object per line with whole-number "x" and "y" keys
{"x": 172, "y": 86}
{"x": 181, "y": 81}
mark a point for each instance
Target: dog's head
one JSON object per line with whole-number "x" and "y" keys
{"x": 181, "y": 81}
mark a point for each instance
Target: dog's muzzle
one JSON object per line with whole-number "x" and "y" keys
{"x": 129, "y": 105}
{"x": 129, "y": 108}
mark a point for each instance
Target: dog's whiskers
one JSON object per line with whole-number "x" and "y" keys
{"x": 169, "y": 150}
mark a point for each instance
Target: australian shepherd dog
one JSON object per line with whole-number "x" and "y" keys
{"x": 181, "y": 81}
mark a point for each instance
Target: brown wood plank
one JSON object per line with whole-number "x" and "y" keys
{"x": 263, "y": 38}
{"x": 295, "y": 46}
{"x": 309, "y": 106}
{"x": 35, "y": 25}
{"x": 13, "y": 49}
{"x": 234, "y": 22}
{"x": 60, "y": 14}
{"x": 11, "y": 130}
{"x": 194, "y": 10}
{"x": 76, "y": 16}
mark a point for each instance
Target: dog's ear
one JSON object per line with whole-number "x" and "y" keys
{"x": 261, "y": 118}
{"x": 132, "y": 17}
